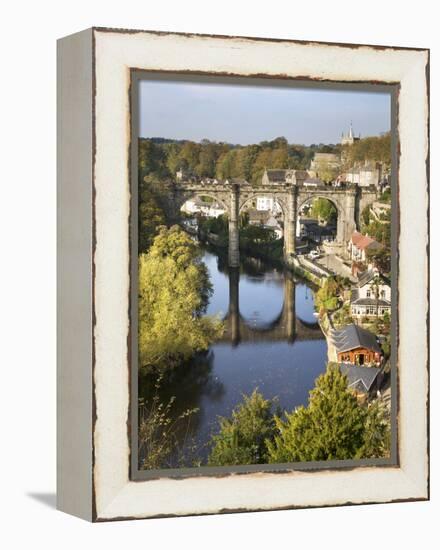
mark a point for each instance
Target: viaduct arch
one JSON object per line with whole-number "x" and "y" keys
{"x": 349, "y": 201}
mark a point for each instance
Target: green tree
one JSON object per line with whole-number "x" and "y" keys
{"x": 334, "y": 426}
{"x": 174, "y": 289}
{"x": 376, "y": 148}
{"x": 326, "y": 171}
{"x": 324, "y": 210}
{"x": 152, "y": 160}
{"x": 377, "y": 433}
{"x": 207, "y": 161}
{"x": 242, "y": 439}
{"x": 173, "y": 159}
{"x": 326, "y": 298}
{"x": 381, "y": 258}
{"x": 262, "y": 162}
{"x": 279, "y": 158}
{"x": 226, "y": 165}
{"x": 366, "y": 216}
{"x": 246, "y": 157}
{"x": 151, "y": 216}
{"x": 189, "y": 155}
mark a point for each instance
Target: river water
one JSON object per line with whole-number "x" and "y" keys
{"x": 272, "y": 342}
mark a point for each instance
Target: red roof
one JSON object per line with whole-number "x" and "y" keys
{"x": 362, "y": 241}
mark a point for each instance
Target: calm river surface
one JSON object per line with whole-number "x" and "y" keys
{"x": 264, "y": 347}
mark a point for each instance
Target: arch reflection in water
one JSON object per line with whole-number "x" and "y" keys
{"x": 281, "y": 351}
{"x": 286, "y": 326}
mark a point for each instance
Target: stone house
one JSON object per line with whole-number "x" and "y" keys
{"x": 273, "y": 176}
{"x": 308, "y": 228}
{"x": 364, "y": 175}
{"x": 266, "y": 219}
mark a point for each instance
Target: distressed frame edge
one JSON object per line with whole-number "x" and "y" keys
{"x": 352, "y": 45}
{"x": 94, "y": 516}
{"x": 422, "y": 491}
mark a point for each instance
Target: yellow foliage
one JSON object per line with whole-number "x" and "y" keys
{"x": 173, "y": 290}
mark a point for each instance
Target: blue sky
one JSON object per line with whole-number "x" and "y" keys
{"x": 250, "y": 114}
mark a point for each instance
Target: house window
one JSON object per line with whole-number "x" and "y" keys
{"x": 382, "y": 294}
{"x": 368, "y": 293}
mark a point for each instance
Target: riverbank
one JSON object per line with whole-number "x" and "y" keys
{"x": 326, "y": 324}
{"x": 308, "y": 270}
{"x": 260, "y": 353}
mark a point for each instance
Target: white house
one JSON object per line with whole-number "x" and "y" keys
{"x": 215, "y": 210}
{"x": 369, "y": 173}
{"x": 371, "y": 296}
{"x": 268, "y": 203}
{"x": 197, "y": 205}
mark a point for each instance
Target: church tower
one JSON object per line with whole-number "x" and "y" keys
{"x": 349, "y": 139}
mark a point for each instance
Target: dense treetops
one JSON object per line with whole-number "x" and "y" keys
{"x": 160, "y": 159}
{"x": 174, "y": 289}
{"x": 375, "y": 148}
{"x": 334, "y": 426}
{"x": 381, "y": 232}
{"x": 242, "y": 438}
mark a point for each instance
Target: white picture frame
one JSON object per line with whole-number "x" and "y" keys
{"x": 94, "y": 133}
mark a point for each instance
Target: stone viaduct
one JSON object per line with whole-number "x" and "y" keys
{"x": 291, "y": 196}
{"x": 286, "y": 326}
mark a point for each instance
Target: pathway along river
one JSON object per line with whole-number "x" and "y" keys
{"x": 272, "y": 342}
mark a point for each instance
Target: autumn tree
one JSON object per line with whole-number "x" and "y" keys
{"x": 151, "y": 216}
{"x": 375, "y": 148}
{"x": 189, "y": 155}
{"x": 174, "y": 289}
{"x": 262, "y": 161}
{"x": 326, "y": 171}
{"x": 226, "y": 165}
{"x": 173, "y": 158}
{"x": 326, "y": 297}
{"x": 152, "y": 160}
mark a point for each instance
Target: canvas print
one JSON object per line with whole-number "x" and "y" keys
{"x": 264, "y": 292}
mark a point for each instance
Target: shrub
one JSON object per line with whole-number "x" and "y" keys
{"x": 158, "y": 441}
{"x": 242, "y": 438}
{"x": 334, "y": 426}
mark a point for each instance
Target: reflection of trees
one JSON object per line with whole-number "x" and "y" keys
{"x": 253, "y": 267}
{"x": 188, "y": 383}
